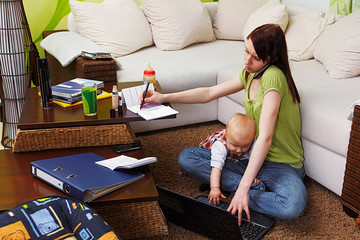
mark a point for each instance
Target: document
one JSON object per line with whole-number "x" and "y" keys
{"x": 149, "y": 111}
{"x": 125, "y": 162}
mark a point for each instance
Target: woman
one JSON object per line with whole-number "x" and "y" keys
{"x": 272, "y": 100}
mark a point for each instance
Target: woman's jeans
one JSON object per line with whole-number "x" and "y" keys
{"x": 285, "y": 195}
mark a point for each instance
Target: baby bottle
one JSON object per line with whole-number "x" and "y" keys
{"x": 149, "y": 75}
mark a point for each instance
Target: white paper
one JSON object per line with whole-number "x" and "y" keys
{"x": 131, "y": 96}
{"x": 125, "y": 162}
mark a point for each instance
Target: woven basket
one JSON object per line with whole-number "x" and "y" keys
{"x": 104, "y": 70}
{"x": 351, "y": 188}
{"x": 134, "y": 220}
{"x": 84, "y": 136}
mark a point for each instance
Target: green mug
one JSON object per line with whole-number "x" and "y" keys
{"x": 89, "y": 93}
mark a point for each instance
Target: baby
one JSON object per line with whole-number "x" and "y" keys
{"x": 233, "y": 142}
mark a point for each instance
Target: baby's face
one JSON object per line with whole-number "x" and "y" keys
{"x": 238, "y": 144}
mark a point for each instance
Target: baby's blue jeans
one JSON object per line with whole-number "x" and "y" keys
{"x": 285, "y": 196}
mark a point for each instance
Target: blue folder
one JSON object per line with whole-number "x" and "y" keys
{"x": 80, "y": 177}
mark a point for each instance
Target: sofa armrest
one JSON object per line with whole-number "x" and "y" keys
{"x": 104, "y": 70}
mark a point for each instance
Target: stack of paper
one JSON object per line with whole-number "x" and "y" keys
{"x": 69, "y": 93}
{"x": 125, "y": 162}
{"x": 131, "y": 96}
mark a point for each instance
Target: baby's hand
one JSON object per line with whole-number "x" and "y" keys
{"x": 256, "y": 181}
{"x": 214, "y": 196}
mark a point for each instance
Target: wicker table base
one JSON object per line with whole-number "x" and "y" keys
{"x": 351, "y": 188}
{"x": 84, "y": 136}
{"x": 134, "y": 220}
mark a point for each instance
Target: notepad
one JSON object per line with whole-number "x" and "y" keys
{"x": 125, "y": 162}
{"x": 131, "y": 96}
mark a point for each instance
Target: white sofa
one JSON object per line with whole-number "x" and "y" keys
{"x": 326, "y": 100}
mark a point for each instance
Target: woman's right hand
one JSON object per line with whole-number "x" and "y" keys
{"x": 152, "y": 97}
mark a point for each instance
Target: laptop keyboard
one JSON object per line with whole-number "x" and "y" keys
{"x": 249, "y": 230}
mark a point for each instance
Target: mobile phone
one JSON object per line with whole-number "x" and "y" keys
{"x": 95, "y": 56}
{"x": 261, "y": 72}
{"x": 121, "y": 148}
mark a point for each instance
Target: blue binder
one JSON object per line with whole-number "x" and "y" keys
{"x": 80, "y": 177}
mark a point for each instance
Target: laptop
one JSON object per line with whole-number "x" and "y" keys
{"x": 197, "y": 215}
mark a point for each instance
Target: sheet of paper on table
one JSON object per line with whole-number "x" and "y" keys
{"x": 125, "y": 162}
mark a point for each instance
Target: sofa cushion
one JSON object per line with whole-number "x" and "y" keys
{"x": 312, "y": 24}
{"x": 338, "y": 47}
{"x": 178, "y": 24}
{"x": 231, "y": 17}
{"x": 271, "y": 12}
{"x": 112, "y": 25}
{"x": 66, "y": 46}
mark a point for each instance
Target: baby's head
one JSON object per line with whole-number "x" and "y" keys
{"x": 240, "y": 133}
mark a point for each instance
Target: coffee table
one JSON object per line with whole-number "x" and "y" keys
{"x": 132, "y": 211}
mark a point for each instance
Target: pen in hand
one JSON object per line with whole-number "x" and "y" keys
{"x": 144, "y": 95}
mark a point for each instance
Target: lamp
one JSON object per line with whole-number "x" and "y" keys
{"x": 17, "y": 65}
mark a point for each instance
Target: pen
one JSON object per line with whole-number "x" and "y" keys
{"x": 145, "y": 92}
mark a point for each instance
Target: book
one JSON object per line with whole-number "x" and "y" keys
{"x": 80, "y": 177}
{"x": 64, "y": 104}
{"x": 149, "y": 111}
{"x": 125, "y": 162}
{"x": 72, "y": 88}
{"x": 68, "y": 100}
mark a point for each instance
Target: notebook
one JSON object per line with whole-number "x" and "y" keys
{"x": 149, "y": 111}
{"x": 213, "y": 222}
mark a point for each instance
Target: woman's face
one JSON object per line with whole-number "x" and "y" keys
{"x": 253, "y": 63}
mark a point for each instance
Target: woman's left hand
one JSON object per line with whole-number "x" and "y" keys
{"x": 239, "y": 203}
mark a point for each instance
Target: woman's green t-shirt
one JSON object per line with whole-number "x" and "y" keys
{"x": 286, "y": 144}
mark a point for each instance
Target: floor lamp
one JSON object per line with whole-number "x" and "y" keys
{"x": 17, "y": 65}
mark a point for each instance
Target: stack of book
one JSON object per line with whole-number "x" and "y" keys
{"x": 68, "y": 94}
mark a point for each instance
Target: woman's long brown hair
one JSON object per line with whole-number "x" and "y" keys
{"x": 270, "y": 45}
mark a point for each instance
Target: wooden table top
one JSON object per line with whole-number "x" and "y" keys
{"x": 18, "y": 185}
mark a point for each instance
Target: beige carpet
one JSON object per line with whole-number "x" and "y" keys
{"x": 323, "y": 218}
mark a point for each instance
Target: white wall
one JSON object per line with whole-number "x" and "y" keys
{"x": 316, "y": 4}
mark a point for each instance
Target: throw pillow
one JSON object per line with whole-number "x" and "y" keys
{"x": 118, "y": 25}
{"x": 176, "y": 24}
{"x": 231, "y": 17}
{"x": 66, "y": 46}
{"x": 271, "y": 12}
{"x": 338, "y": 48}
{"x": 303, "y": 31}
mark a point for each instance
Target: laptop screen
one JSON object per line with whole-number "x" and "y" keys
{"x": 197, "y": 216}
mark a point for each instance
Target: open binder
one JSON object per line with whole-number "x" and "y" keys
{"x": 80, "y": 177}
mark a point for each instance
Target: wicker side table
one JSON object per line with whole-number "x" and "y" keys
{"x": 351, "y": 188}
